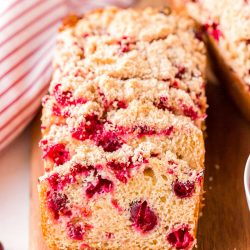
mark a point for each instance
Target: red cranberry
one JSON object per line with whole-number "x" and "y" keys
{"x": 80, "y": 169}
{"x": 75, "y": 231}
{"x": 88, "y": 129}
{"x": 66, "y": 114}
{"x": 198, "y": 35}
{"x": 120, "y": 169}
{"x": 180, "y": 73}
{"x": 57, "y": 203}
{"x": 67, "y": 179}
{"x": 172, "y": 162}
{"x": 216, "y": 32}
{"x": 93, "y": 129}
{"x": 64, "y": 98}
{"x": 154, "y": 154}
{"x": 144, "y": 130}
{"x": 43, "y": 144}
{"x": 170, "y": 171}
{"x": 92, "y": 124}
{"x": 58, "y": 183}
{"x": 122, "y": 104}
{"x": 56, "y": 110}
{"x": 102, "y": 186}
{"x": 80, "y": 100}
{"x": 168, "y": 131}
{"x": 54, "y": 180}
{"x": 124, "y": 48}
{"x": 174, "y": 85}
{"x": 109, "y": 141}
{"x": 206, "y": 26}
{"x": 213, "y": 30}
{"x": 105, "y": 102}
{"x": 57, "y": 153}
{"x": 164, "y": 104}
{"x": 183, "y": 189}
{"x": 79, "y": 133}
{"x": 108, "y": 104}
{"x": 142, "y": 217}
{"x": 113, "y": 104}
{"x": 190, "y": 112}
{"x": 180, "y": 238}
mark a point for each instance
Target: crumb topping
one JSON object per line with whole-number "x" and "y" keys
{"x": 122, "y": 131}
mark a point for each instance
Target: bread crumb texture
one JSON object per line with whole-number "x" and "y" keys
{"x": 122, "y": 129}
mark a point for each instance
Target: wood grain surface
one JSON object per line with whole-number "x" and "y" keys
{"x": 225, "y": 221}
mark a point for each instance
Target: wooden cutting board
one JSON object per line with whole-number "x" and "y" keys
{"x": 225, "y": 221}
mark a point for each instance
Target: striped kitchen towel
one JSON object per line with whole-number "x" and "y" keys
{"x": 27, "y": 38}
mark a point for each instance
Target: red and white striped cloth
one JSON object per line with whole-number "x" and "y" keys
{"x": 27, "y": 37}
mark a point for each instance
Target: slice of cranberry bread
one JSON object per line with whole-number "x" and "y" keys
{"x": 227, "y": 24}
{"x": 122, "y": 132}
{"x": 132, "y": 125}
{"x": 139, "y": 199}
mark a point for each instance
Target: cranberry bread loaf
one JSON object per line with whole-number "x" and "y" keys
{"x": 227, "y": 24}
{"x": 122, "y": 132}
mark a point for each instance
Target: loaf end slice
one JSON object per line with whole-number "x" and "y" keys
{"x": 226, "y": 24}
{"x": 122, "y": 132}
{"x": 154, "y": 204}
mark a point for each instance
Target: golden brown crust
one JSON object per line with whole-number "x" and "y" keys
{"x": 69, "y": 21}
{"x": 199, "y": 206}
{"x": 44, "y": 218}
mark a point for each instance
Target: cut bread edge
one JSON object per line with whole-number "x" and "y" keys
{"x": 235, "y": 86}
